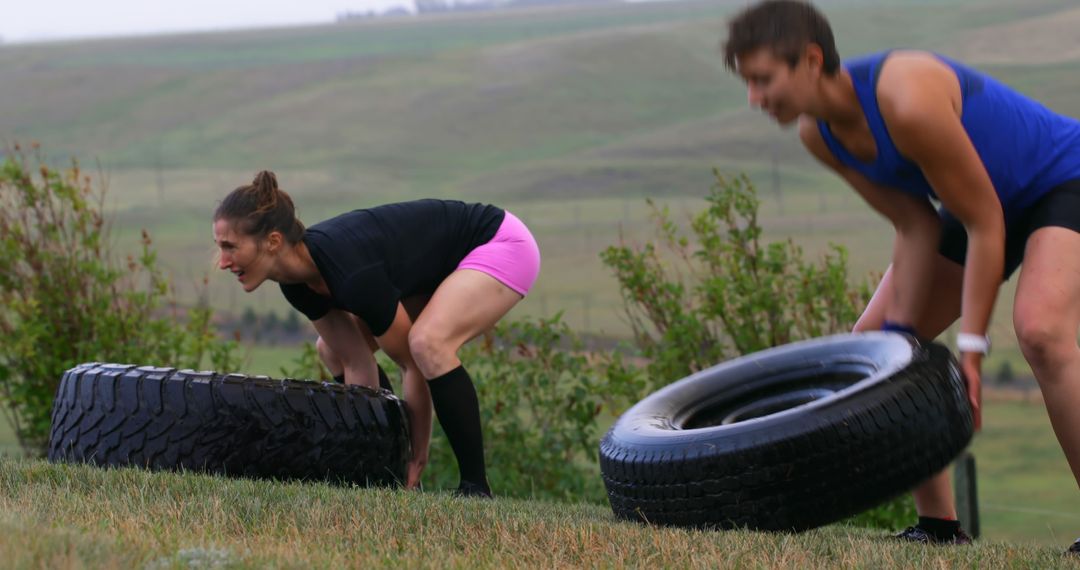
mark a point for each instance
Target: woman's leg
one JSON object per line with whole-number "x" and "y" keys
{"x": 934, "y": 497}
{"x": 413, "y": 306}
{"x": 336, "y": 365}
{"x": 466, "y": 304}
{"x": 1046, "y": 314}
{"x": 332, "y": 360}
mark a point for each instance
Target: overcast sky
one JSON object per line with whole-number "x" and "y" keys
{"x": 33, "y": 20}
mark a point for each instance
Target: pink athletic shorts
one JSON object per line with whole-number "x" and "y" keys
{"x": 512, "y": 256}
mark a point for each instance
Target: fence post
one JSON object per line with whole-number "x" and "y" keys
{"x": 967, "y": 498}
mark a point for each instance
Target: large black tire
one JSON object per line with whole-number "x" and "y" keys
{"x": 162, "y": 418}
{"x": 789, "y": 438}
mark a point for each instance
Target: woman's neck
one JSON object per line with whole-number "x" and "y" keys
{"x": 297, "y": 266}
{"x": 838, "y": 103}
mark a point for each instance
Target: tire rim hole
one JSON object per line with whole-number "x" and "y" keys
{"x": 771, "y": 396}
{"x": 774, "y": 404}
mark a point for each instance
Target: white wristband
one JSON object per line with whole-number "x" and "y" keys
{"x": 967, "y": 342}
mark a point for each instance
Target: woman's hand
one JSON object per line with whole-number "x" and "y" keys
{"x": 418, "y": 402}
{"x": 414, "y": 470}
{"x": 971, "y": 367}
{"x": 395, "y": 342}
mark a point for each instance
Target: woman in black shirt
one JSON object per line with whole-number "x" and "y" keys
{"x": 463, "y": 265}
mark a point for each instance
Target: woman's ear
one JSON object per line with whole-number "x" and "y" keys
{"x": 274, "y": 241}
{"x": 814, "y": 57}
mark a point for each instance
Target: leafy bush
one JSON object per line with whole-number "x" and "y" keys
{"x": 307, "y": 365}
{"x": 65, "y": 299}
{"x": 694, "y": 301}
{"x": 891, "y": 515}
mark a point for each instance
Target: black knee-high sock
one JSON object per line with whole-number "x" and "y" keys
{"x": 458, "y": 410}
{"x": 384, "y": 380}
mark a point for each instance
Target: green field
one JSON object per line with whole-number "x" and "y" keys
{"x": 567, "y": 116}
{"x": 1026, "y": 491}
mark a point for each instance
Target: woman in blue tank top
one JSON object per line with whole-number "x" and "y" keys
{"x": 904, "y": 128}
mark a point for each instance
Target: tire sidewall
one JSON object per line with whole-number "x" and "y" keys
{"x": 654, "y": 421}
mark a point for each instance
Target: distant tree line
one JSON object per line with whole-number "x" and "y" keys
{"x": 269, "y": 327}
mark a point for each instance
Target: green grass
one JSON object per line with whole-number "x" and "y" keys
{"x": 9, "y": 445}
{"x": 1026, "y": 491}
{"x": 269, "y": 360}
{"x": 60, "y": 516}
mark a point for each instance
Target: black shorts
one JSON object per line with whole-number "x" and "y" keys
{"x": 1060, "y": 207}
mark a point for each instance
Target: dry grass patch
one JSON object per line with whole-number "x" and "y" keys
{"x": 60, "y": 516}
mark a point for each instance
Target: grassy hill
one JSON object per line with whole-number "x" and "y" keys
{"x": 567, "y": 115}
{"x": 59, "y": 516}
{"x": 1027, "y": 495}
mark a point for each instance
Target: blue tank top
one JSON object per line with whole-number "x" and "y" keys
{"x": 1026, "y": 148}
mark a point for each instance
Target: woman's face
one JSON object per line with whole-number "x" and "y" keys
{"x": 247, "y": 257}
{"x": 776, "y": 87}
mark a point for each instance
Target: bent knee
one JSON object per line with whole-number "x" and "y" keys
{"x": 1044, "y": 341}
{"x": 429, "y": 349}
{"x": 423, "y": 342}
{"x": 324, "y": 350}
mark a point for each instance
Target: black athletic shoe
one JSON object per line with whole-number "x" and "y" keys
{"x": 1074, "y": 550}
{"x": 470, "y": 489}
{"x": 918, "y": 535}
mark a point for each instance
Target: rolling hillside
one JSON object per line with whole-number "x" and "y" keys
{"x": 569, "y": 116}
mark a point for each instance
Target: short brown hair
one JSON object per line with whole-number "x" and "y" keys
{"x": 260, "y": 208}
{"x": 784, "y": 26}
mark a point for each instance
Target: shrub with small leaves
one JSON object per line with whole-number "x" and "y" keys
{"x": 694, "y": 302}
{"x": 66, "y": 299}
{"x": 307, "y": 365}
